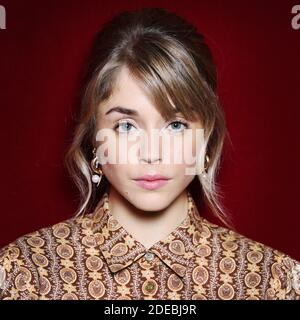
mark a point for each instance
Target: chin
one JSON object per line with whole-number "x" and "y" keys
{"x": 151, "y": 200}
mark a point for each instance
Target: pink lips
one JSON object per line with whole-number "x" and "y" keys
{"x": 152, "y": 182}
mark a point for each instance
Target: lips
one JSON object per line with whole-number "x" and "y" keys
{"x": 152, "y": 182}
{"x": 149, "y": 177}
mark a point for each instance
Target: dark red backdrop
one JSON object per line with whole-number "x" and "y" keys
{"x": 257, "y": 54}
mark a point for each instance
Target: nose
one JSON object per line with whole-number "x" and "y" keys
{"x": 149, "y": 148}
{"x": 149, "y": 161}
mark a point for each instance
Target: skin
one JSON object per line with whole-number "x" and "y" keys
{"x": 148, "y": 215}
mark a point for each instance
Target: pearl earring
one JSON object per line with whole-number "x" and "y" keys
{"x": 96, "y": 178}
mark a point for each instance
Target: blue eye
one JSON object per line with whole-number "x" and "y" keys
{"x": 125, "y": 126}
{"x": 178, "y": 126}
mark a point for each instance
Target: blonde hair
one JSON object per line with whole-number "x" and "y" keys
{"x": 170, "y": 59}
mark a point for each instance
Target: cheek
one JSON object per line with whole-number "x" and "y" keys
{"x": 194, "y": 145}
{"x": 187, "y": 145}
{"x": 182, "y": 174}
{"x": 119, "y": 150}
{"x": 115, "y": 173}
{"x": 183, "y": 151}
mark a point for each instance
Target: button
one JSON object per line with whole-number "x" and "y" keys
{"x": 149, "y": 256}
{"x": 149, "y": 286}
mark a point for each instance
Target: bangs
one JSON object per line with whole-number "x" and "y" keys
{"x": 167, "y": 75}
{"x": 164, "y": 71}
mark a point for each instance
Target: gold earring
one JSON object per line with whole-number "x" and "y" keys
{"x": 204, "y": 172}
{"x": 207, "y": 162}
{"x": 95, "y": 165}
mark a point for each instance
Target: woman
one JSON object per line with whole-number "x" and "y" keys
{"x": 137, "y": 233}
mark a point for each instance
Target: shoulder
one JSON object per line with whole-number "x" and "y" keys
{"x": 24, "y": 262}
{"x": 260, "y": 263}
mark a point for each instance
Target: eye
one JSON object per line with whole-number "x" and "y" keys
{"x": 123, "y": 126}
{"x": 178, "y": 126}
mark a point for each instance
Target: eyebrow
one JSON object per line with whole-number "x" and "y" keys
{"x": 123, "y": 110}
{"x": 129, "y": 112}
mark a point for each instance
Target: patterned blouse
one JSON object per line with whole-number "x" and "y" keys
{"x": 94, "y": 257}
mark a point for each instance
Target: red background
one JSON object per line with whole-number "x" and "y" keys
{"x": 257, "y": 52}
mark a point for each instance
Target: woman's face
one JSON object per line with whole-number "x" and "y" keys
{"x": 148, "y": 145}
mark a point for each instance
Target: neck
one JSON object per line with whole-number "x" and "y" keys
{"x": 148, "y": 227}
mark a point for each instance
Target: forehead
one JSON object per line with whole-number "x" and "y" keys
{"x": 128, "y": 92}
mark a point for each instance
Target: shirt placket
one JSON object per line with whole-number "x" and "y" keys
{"x": 149, "y": 284}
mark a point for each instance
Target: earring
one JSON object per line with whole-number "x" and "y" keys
{"x": 96, "y": 178}
{"x": 204, "y": 172}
